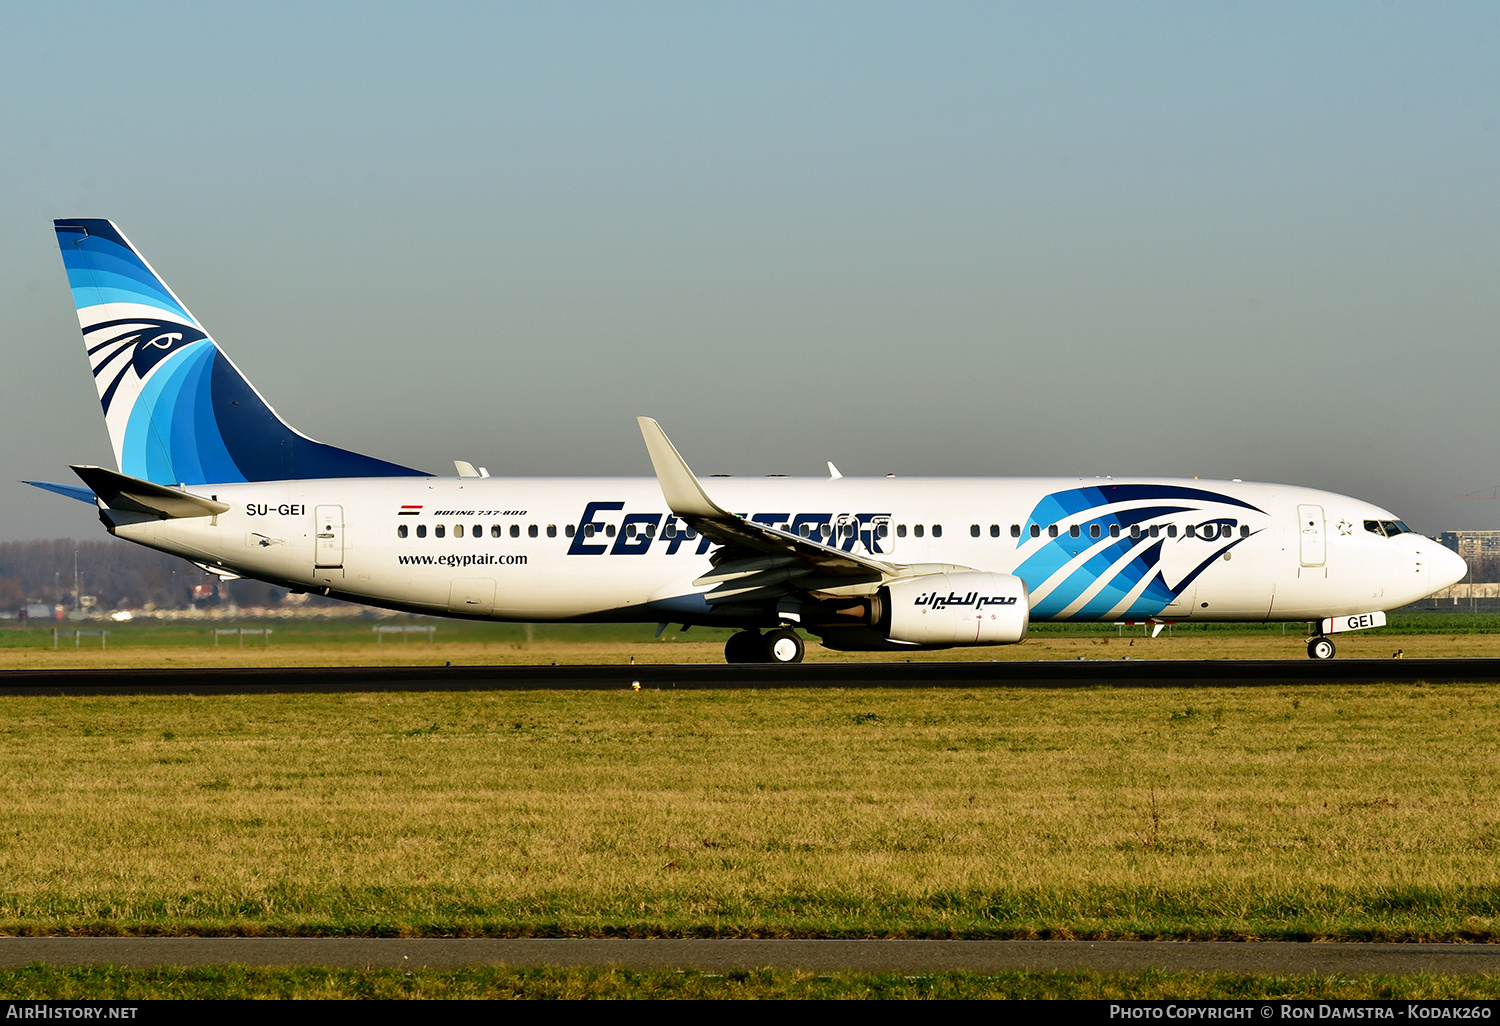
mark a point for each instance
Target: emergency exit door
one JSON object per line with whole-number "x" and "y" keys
{"x": 329, "y": 547}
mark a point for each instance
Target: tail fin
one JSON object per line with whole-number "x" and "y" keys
{"x": 178, "y": 411}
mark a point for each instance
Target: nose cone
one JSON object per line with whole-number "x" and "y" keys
{"x": 1448, "y": 567}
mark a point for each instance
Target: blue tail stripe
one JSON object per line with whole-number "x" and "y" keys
{"x": 214, "y": 460}
{"x": 101, "y": 270}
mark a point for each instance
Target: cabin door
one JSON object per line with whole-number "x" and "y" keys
{"x": 1312, "y": 543}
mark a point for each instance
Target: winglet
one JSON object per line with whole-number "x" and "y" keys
{"x": 684, "y": 495}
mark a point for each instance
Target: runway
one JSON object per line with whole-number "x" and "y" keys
{"x": 902, "y": 956}
{"x": 1090, "y": 673}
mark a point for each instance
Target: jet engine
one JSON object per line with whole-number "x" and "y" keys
{"x": 936, "y": 611}
{"x": 965, "y": 608}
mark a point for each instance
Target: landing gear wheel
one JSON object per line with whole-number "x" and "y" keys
{"x": 745, "y": 647}
{"x": 1320, "y": 648}
{"x": 783, "y": 646}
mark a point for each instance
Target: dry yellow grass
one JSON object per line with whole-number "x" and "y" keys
{"x": 672, "y": 649}
{"x": 1336, "y": 811}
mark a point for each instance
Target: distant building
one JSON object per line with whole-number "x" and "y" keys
{"x": 1472, "y": 545}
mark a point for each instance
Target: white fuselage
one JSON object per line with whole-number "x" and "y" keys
{"x": 549, "y": 549}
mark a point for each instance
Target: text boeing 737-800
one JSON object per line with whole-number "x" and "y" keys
{"x": 209, "y": 472}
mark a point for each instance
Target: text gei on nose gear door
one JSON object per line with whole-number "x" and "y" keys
{"x": 329, "y": 537}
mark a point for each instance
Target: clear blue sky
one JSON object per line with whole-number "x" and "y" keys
{"x": 1226, "y": 239}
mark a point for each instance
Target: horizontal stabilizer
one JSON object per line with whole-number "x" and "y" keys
{"x": 118, "y": 491}
{"x": 71, "y": 491}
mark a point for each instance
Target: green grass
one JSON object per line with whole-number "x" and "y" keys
{"x": 1358, "y": 813}
{"x": 111, "y": 983}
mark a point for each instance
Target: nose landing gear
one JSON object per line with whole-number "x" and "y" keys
{"x": 1320, "y": 648}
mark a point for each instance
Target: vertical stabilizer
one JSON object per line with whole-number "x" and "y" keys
{"x": 178, "y": 411}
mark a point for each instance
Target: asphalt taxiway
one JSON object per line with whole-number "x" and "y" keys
{"x": 903, "y": 956}
{"x": 1081, "y": 673}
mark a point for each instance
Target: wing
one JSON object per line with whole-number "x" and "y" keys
{"x": 757, "y": 561}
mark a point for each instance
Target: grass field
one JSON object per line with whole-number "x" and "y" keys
{"x": 1367, "y": 813}
{"x": 1364, "y": 813}
{"x": 237, "y": 982}
{"x": 351, "y": 642}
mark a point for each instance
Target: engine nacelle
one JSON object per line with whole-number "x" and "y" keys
{"x": 965, "y": 608}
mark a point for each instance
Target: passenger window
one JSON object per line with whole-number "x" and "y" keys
{"x": 883, "y": 531}
{"x": 691, "y": 534}
{"x": 1171, "y": 530}
{"x": 974, "y": 531}
{"x": 1190, "y": 531}
{"x": 477, "y": 531}
{"x": 1073, "y": 531}
{"x": 1052, "y": 531}
{"x": 568, "y": 531}
{"x": 1155, "y": 530}
{"x": 917, "y": 530}
{"x": 458, "y": 530}
{"x": 630, "y": 530}
{"x": 1036, "y": 530}
{"x": 400, "y": 530}
{"x": 437, "y": 531}
{"x": 495, "y": 531}
{"x": 1093, "y": 530}
{"x": 994, "y": 530}
{"x": 1114, "y": 530}
{"x": 1135, "y": 531}
{"x": 531, "y": 531}
{"x": 589, "y": 530}
{"x": 515, "y": 530}
{"x": 1015, "y": 530}
{"x": 1244, "y": 530}
{"x": 937, "y": 530}
{"x": 900, "y": 530}
{"x": 609, "y": 530}
{"x": 421, "y": 530}
{"x": 551, "y": 530}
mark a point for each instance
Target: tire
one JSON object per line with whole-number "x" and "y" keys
{"x": 1320, "y": 648}
{"x": 744, "y": 647}
{"x": 783, "y": 646}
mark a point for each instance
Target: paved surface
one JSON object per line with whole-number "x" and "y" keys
{"x": 1123, "y": 673}
{"x": 904, "y": 956}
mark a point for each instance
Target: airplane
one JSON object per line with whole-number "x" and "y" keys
{"x": 208, "y": 471}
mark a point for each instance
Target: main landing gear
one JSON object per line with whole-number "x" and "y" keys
{"x": 779, "y": 646}
{"x": 1320, "y": 648}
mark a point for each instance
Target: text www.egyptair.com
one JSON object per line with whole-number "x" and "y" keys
{"x": 469, "y": 559}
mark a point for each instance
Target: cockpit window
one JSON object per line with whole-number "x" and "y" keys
{"x": 1386, "y": 528}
